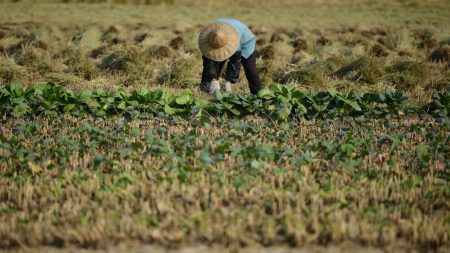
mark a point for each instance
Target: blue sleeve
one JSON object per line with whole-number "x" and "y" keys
{"x": 248, "y": 48}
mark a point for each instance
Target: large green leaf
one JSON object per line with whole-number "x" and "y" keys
{"x": 266, "y": 94}
{"x": 332, "y": 92}
{"x": 201, "y": 102}
{"x": 297, "y": 95}
{"x": 301, "y": 107}
{"x": 85, "y": 95}
{"x": 276, "y": 88}
{"x": 219, "y": 95}
{"x": 122, "y": 105}
{"x": 15, "y": 90}
{"x": 171, "y": 110}
{"x": 352, "y": 103}
{"x": 69, "y": 107}
{"x": 184, "y": 98}
{"x": 92, "y": 103}
{"x": 235, "y": 111}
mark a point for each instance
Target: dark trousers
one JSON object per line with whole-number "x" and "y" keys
{"x": 212, "y": 69}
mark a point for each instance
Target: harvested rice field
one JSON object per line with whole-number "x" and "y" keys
{"x": 109, "y": 143}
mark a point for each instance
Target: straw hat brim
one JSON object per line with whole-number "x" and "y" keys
{"x": 223, "y": 53}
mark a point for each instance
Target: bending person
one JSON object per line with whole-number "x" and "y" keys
{"x": 232, "y": 41}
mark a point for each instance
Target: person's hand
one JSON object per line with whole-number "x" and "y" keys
{"x": 215, "y": 85}
{"x": 227, "y": 86}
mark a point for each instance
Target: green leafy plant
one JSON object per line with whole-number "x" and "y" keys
{"x": 440, "y": 104}
{"x": 277, "y": 101}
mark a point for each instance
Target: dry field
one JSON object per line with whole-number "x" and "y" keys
{"x": 97, "y": 175}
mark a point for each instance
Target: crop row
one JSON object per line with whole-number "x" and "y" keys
{"x": 277, "y": 101}
{"x": 26, "y": 144}
{"x": 269, "y": 183}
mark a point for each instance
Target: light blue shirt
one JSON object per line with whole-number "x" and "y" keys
{"x": 246, "y": 37}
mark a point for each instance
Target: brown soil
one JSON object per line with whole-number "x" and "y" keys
{"x": 441, "y": 54}
{"x": 357, "y": 41}
{"x": 428, "y": 44}
{"x": 378, "y": 50}
{"x": 113, "y": 29}
{"x": 422, "y": 34}
{"x": 111, "y": 35}
{"x": 267, "y": 53}
{"x": 276, "y": 36}
{"x": 140, "y": 37}
{"x": 405, "y": 53}
{"x": 95, "y": 53}
{"x": 261, "y": 42}
{"x": 256, "y": 31}
{"x": 299, "y": 45}
{"x": 322, "y": 41}
{"x": 177, "y": 43}
{"x": 162, "y": 52}
{"x": 18, "y": 46}
{"x": 382, "y": 41}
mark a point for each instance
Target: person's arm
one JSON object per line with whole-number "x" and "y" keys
{"x": 248, "y": 48}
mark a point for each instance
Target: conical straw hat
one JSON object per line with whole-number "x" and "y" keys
{"x": 218, "y": 41}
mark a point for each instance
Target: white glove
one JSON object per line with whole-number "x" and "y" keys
{"x": 227, "y": 87}
{"x": 215, "y": 85}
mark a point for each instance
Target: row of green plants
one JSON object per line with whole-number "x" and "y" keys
{"x": 27, "y": 148}
{"x": 277, "y": 101}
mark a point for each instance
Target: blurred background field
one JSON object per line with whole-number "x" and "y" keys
{"x": 309, "y": 44}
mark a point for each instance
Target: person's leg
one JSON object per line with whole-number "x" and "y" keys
{"x": 233, "y": 68}
{"x": 252, "y": 73}
{"x": 211, "y": 70}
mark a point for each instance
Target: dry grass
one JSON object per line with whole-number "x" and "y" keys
{"x": 150, "y": 50}
{"x": 9, "y": 71}
{"x": 150, "y": 182}
{"x": 301, "y": 183}
{"x": 364, "y": 70}
{"x": 182, "y": 72}
{"x": 309, "y": 76}
{"x": 406, "y": 75}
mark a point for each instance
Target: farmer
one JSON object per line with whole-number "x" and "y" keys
{"x": 228, "y": 39}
